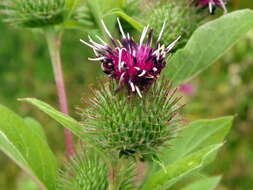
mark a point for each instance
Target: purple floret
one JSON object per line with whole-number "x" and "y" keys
{"x": 134, "y": 65}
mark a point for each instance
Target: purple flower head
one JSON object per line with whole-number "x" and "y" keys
{"x": 134, "y": 65}
{"x": 212, "y": 4}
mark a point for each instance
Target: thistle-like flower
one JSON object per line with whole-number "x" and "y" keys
{"x": 134, "y": 65}
{"x": 212, "y": 4}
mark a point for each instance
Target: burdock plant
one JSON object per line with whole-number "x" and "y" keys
{"x": 51, "y": 18}
{"x": 133, "y": 115}
{"x": 130, "y": 131}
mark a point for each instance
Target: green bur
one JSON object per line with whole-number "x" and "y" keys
{"x": 126, "y": 125}
{"x": 90, "y": 170}
{"x": 33, "y": 13}
{"x": 85, "y": 171}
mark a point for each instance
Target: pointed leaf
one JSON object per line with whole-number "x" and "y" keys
{"x": 208, "y": 43}
{"x": 138, "y": 26}
{"x": 35, "y": 127}
{"x": 196, "y": 135}
{"x": 162, "y": 180}
{"x": 63, "y": 119}
{"x": 24, "y": 147}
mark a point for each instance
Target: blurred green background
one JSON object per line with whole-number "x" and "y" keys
{"x": 225, "y": 88}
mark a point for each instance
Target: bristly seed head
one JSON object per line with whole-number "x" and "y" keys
{"x": 212, "y": 4}
{"x": 134, "y": 65}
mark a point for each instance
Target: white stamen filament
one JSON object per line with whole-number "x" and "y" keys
{"x": 138, "y": 91}
{"x": 142, "y": 73}
{"x": 129, "y": 46}
{"x": 137, "y": 68}
{"x": 96, "y": 59}
{"x": 122, "y": 64}
{"x": 120, "y": 57}
{"x": 121, "y": 29}
{"x": 144, "y": 33}
{"x": 223, "y": 6}
{"x": 134, "y": 53}
{"x": 120, "y": 43}
{"x": 96, "y": 53}
{"x": 102, "y": 66}
{"x": 87, "y": 44}
{"x": 101, "y": 40}
{"x": 121, "y": 77}
{"x": 210, "y": 6}
{"x": 157, "y": 50}
{"x": 161, "y": 33}
{"x": 172, "y": 44}
{"x": 96, "y": 44}
{"x": 155, "y": 69}
{"x": 132, "y": 86}
{"x": 106, "y": 29}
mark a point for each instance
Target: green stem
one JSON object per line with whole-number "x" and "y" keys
{"x": 54, "y": 45}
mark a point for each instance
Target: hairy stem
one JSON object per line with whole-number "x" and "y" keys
{"x": 54, "y": 45}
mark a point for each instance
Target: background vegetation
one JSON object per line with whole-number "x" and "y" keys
{"x": 225, "y": 88}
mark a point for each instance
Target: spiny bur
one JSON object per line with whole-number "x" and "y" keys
{"x": 130, "y": 126}
{"x": 88, "y": 170}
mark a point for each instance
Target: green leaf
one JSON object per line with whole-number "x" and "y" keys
{"x": 138, "y": 26}
{"x": 162, "y": 180}
{"x": 35, "y": 127}
{"x": 27, "y": 184}
{"x": 208, "y": 43}
{"x": 99, "y": 9}
{"x": 63, "y": 119}
{"x": 204, "y": 184}
{"x": 85, "y": 26}
{"x": 23, "y": 146}
{"x": 196, "y": 135}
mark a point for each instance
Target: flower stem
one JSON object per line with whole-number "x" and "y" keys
{"x": 54, "y": 45}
